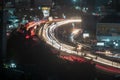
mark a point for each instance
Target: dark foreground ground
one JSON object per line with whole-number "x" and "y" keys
{"x": 35, "y": 61}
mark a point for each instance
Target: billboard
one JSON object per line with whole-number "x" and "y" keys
{"x": 46, "y": 11}
{"x": 100, "y": 44}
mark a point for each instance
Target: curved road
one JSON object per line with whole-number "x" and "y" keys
{"x": 47, "y": 33}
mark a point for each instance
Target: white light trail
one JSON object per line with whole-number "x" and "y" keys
{"x": 48, "y": 35}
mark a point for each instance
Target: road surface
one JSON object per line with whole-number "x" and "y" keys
{"x": 48, "y": 35}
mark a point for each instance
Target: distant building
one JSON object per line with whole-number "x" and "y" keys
{"x": 108, "y": 31}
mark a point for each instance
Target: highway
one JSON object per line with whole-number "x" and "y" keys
{"x": 48, "y": 35}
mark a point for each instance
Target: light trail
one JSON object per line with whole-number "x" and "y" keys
{"x": 49, "y": 38}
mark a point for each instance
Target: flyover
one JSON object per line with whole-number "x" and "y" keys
{"x": 48, "y": 35}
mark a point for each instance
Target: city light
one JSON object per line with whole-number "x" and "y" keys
{"x": 107, "y": 52}
{"x": 13, "y": 65}
{"x": 50, "y": 18}
{"x": 39, "y": 7}
{"x": 46, "y": 11}
{"x": 79, "y": 47}
{"x": 77, "y": 8}
{"x": 75, "y": 31}
{"x": 63, "y": 15}
{"x": 100, "y": 43}
{"x": 74, "y": 0}
{"x": 45, "y": 8}
{"x": 60, "y": 33}
{"x": 106, "y": 40}
{"x": 116, "y": 44}
{"x": 85, "y": 35}
{"x": 9, "y": 65}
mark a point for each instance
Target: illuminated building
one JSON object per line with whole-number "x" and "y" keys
{"x": 108, "y": 31}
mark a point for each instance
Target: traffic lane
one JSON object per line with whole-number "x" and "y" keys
{"x": 90, "y": 55}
